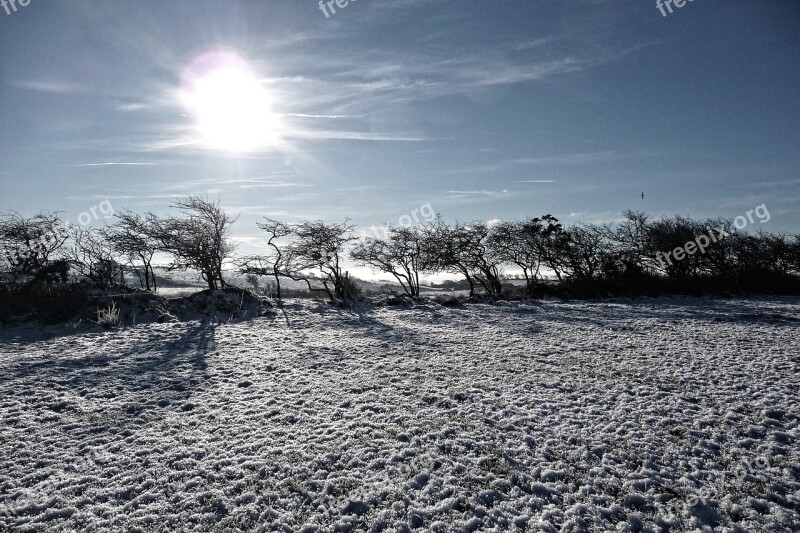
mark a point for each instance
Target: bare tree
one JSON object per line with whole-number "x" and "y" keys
{"x": 132, "y": 237}
{"x": 584, "y": 251}
{"x": 577, "y": 252}
{"x": 315, "y": 250}
{"x": 30, "y": 244}
{"x": 444, "y": 252}
{"x": 719, "y": 258}
{"x": 507, "y": 242}
{"x": 464, "y": 249}
{"x": 198, "y": 240}
{"x": 402, "y": 254}
{"x": 524, "y": 244}
{"x": 319, "y": 247}
{"x": 546, "y": 236}
{"x": 778, "y": 251}
{"x": 668, "y": 234}
{"x": 630, "y": 243}
{"x": 794, "y": 255}
{"x": 275, "y": 264}
{"x": 472, "y": 242}
{"x": 93, "y": 257}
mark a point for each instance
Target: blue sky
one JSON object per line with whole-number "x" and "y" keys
{"x": 484, "y": 110}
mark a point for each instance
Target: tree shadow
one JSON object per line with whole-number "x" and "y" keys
{"x": 141, "y": 380}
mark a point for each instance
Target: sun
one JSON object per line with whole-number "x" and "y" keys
{"x": 231, "y": 108}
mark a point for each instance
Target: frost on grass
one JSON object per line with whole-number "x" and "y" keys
{"x": 674, "y": 414}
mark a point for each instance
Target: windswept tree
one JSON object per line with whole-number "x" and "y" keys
{"x": 547, "y": 237}
{"x": 319, "y": 247}
{"x": 464, "y": 249}
{"x": 402, "y": 254}
{"x": 199, "y": 240}
{"x": 584, "y": 251}
{"x": 472, "y": 243}
{"x": 93, "y": 257}
{"x": 276, "y": 263}
{"x": 794, "y": 255}
{"x": 524, "y": 245}
{"x": 132, "y": 238}
{"x": 719, "y": 258}
{"x": 630, "y": 246}
{"x": 507, "y": 242}
{"x": 306, "y": 252}
{"x": 444, "y": 252}
{"x": 778, "y": 251}
{"x": 30, "y": 245}
{"x": 668, "y": 234}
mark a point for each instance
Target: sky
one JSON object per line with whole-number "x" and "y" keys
{"x": 388, "y": 110}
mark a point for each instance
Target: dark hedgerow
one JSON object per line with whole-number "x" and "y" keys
{"x": 53, "y": 275}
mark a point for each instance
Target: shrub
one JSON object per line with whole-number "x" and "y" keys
{"x": 108, "y": 317}
{"x": 449, "y": 300}
{"x": 352, "y": 290}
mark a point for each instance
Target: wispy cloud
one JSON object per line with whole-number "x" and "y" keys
{"x": 773, "y": 183}
{"x": 533, "y": 43}
{"x": 354, "y": 136}
{"x": 340, "y": 92}
{"x": 136, "y": 106}
{"x": 94, "y": 197}
{"x": 273, "y": 184}
{"x": 116, "y": 164}
{"x": 572, "y": 158}
{"x": 306, "y": 115}
{"x": 223, "y": 184}
{"x": 51, "y": 86}
{"x": 480, "y": 193}
{"x": 552, "y": 161}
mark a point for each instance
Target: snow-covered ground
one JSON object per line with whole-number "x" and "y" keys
{"x": 615, "y": 415}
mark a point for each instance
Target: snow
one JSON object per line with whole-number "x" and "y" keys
{"x": 618, "y": 415}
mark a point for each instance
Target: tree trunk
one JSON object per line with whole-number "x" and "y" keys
{"x": 152, "y": 276}
{"x": 471, "y": 284}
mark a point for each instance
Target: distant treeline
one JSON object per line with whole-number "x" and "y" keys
{"x": 636, "y": 256}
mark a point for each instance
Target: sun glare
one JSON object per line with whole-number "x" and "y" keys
{"x": 230, "y": 107}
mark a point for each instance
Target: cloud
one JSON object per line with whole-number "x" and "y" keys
{"x": 354, "y": 136}
{"x": 51, "y": 86}
{"x": 341, "y": 89}
{"x": 571, "y": 158}
{"x": 773, "y": 183}
{"x": 116, "y": 164}
{"x": 533, "y": 43}
{"x": 132, "y": 107}
{"x": 480, "y": 193}
{"x": 305, "y": 115}
{"x": 94, "y": 197}
{"x": 274, "y": 184}
{"x": 558, "y": 160}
